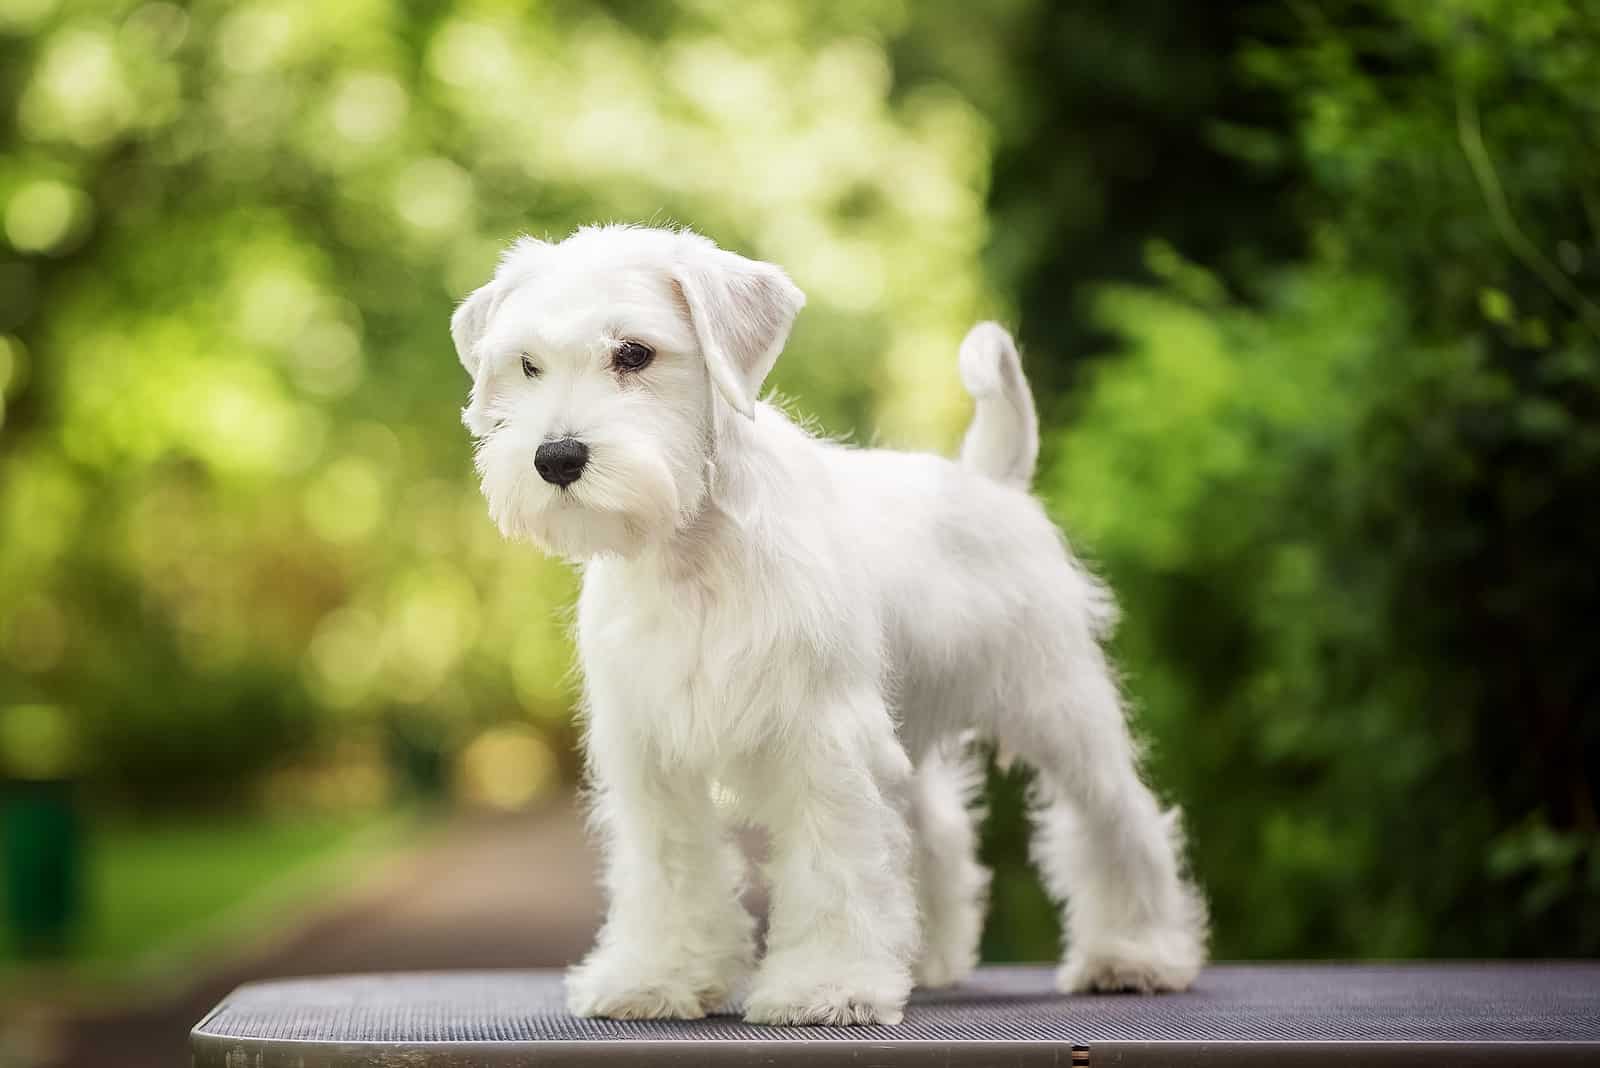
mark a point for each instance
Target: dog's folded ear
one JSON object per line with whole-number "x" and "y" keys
{"x": 741, "y": 310}
{"x": 471, "y": 321}
{"x": 467, "y": 327}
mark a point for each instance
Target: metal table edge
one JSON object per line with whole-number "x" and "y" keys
{"x": 216, "y": 1051}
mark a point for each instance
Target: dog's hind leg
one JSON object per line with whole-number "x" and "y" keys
{"x": 952, "y": 887}
{"x": 1106, "y": 849}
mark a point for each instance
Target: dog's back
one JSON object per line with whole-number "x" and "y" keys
{"x": 981, "y": 595}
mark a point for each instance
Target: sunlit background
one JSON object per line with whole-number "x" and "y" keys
{"x": 1307, "y": 291}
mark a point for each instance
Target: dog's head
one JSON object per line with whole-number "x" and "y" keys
{"x": 601, "y": 367}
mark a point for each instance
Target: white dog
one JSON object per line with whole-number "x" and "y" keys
{"x": 810, "y": 633}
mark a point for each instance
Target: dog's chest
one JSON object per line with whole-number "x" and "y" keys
{"x": 681, "y": 664}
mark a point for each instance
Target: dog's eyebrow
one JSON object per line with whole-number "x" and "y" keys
{"x": 618, "y": 331}
{"x": 524, "y": 338}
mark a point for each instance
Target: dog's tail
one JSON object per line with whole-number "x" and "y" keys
{"x": 1003, "y": 440}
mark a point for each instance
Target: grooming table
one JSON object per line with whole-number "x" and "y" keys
{"x": 1236, "y": 1014}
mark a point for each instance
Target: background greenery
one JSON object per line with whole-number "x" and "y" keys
{"x": 1307, "y": 291}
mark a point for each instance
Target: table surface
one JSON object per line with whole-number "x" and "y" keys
{"x": 1235, "y": 1014}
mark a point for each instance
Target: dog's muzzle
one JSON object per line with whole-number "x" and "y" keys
{"x": 561, "y": 462}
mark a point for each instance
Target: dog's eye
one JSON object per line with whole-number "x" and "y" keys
{"x": 632, "y": 356}
{"x": 528, "y": 369}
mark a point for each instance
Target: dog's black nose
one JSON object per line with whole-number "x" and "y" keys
{"x": 561, "y": 462}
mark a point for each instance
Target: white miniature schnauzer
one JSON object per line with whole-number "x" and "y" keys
{"x": 792, "y": 632}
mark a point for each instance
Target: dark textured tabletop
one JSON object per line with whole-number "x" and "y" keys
{"x": 1235, "y": 1014}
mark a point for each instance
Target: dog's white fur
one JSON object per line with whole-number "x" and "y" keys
{"x": 814, "y": 633}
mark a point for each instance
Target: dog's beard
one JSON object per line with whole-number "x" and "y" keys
{"x": 625, "y": 499}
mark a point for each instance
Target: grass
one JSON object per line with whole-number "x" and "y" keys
{"x": 158, "y": 893}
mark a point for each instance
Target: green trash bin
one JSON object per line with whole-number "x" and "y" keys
{"x": 41, "y": 829}
{"x": 42, "y": 838}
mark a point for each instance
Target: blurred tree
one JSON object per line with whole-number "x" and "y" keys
{"x": 1114, "y": 125}
{"x": 1351, "y": 520}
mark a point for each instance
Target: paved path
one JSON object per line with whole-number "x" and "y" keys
{"x": 503, "y": 893}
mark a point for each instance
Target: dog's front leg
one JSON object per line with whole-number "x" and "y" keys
{"x": 843, "y": 926}
{"x": 677, "y": 941}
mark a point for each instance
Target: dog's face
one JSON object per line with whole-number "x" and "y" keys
{"x": 601, "y": 367}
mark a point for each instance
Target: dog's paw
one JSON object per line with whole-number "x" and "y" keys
{"x": 1146, "y": 967}
{"x": 826, "y": 991}
{"x": 659, "y": 1001}
{"x": 827, "y": 1006}
{"x": 618, "y": 995}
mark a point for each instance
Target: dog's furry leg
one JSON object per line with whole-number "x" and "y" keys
{"x": 1108, "y": 851}
{"x": 844, "y": 918}
{"x": 952, "y": 887}
{"x": 677, "y": 942}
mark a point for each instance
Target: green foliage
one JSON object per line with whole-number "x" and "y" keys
{"x": 1351, "y": 520}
